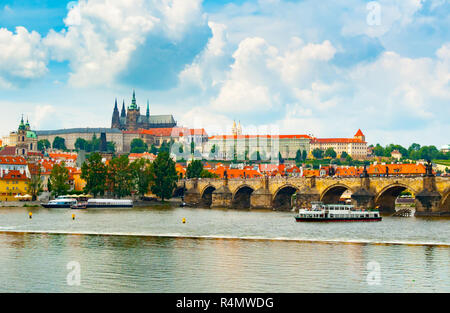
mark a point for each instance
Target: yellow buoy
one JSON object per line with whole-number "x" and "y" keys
{"x": 184, "y": 220}
{"x": 73, "y": 216}
{"x": 30, "y": 215}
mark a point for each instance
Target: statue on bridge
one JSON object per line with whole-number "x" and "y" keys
{"x": 429, "y": 169}
{"x": 365, "y": 173}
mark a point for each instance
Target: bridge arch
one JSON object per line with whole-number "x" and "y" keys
{"x": 206, "y": 195}
{"x": 241, "y": 197}
{"x": 282, "y": 198}
{"x": 385, "y": 199}
{"x": 333, "y": 193}
{"x": 445, "y": 202}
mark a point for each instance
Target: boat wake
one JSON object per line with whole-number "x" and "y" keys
{"x": 11, "y": 230}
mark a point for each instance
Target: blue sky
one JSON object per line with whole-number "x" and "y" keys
{"x": 314, "y": 67}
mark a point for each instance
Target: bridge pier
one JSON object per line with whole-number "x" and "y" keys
{"x": 428, "y": 199}
{"x": 192, "y": 195}
{"x": 222, "y": 197}
{"x": 305, "y": 196}
{"x": 363, "y": 198}
{"x": 261, "y": 198}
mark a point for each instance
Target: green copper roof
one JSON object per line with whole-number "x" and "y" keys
{"x": 133, "y": 105}
{"x": 22, "y": 125}
{"x": 31, "y": 134}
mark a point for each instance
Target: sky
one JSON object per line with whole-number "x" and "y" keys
{"x": 324, "y": 68}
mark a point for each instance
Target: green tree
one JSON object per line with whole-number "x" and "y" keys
{"x": 208, "y": 174}
{"x": 153, "y": 149}
{"x": 59, "y": 179}
{"x": 93, "y": 171}
{"x": 344, "y": 155}
{"x": 111, "y": 146}
{"x": 35, "y": 183}
{"x": 256, "y": 156}
{"x": 194, "y": 169}
{"x": 81, "y": 144}
{"x": 192, "y": 147}
{"x": 378, "y": 150}
{"x": 413, "y": 151}
{"x": 94, "y": 143}
{"x": 280, "y": 158}
{"x": 119, "y": 176}
{"x": 298, "y": 156}
{"x": 165, "y": 147}
{"x": 163, "y": 176}
{"x": 317, "y": 153}
{"x": 141, "y": 171}
{"x": 214, "y": 151}
{"x": 59, "y": 143}
{"x": 330, "y": 153}
{"x": 304, "y": 155}
{"x": 43, "y": 144}
{"x": 138, "y": 146}
{"x": 349, "y": 160}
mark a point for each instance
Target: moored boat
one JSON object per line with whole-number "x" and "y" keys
{"x": 320, "y": 212}
{"x": 60, "y": 203}
{"x": 109, "y": 203}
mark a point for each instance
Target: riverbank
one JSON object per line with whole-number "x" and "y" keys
{"x": 20, "y": 204}
{"x": 137, "y": 203}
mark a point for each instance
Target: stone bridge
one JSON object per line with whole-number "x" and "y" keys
{"x": 432, "y": 194}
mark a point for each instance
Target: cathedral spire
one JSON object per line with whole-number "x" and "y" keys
{"x": 123, "y": 113}
{"x": 133, "y": 105}
{"x": 115, "y": 117}
{"x": 22, "y": 124}
{"x": 148, "y": 109}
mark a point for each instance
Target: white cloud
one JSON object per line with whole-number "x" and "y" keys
{"x": 101, "y": 35}
{"x": 399, "y": 85}
{"x": 208, "y": 69}
{"x": 43, "y": 114}
{"x": 379, "y": 18}
{"x": 100, "y": 38}
{"x": 202, "y": 117}
{"x": 262, "y": 74}
{"x": 22, "y": 56}
{"x": 178, "y": 15}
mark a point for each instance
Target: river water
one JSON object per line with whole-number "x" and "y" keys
{"x": 151, "y": 250}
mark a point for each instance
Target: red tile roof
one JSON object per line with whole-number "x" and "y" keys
{"x": 359, "y": 133}
{"x": 336, "y": 140}
{"x": 14, "y": 175}
{"x": 165, "y": 132}
{"x": 14, "y": 160}
{"x": 8, "y": 150}
{"x": 260, "y": 136}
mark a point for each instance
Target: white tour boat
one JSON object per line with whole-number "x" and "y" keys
{"x": 320, "y": 212}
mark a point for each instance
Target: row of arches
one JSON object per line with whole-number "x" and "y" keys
{"x": 282, "y": 199}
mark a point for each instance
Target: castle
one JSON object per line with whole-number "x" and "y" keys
{"x": 132, "y": 120}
